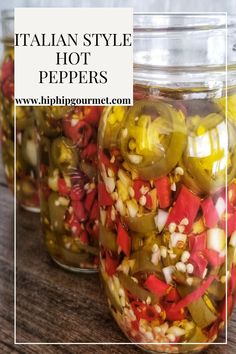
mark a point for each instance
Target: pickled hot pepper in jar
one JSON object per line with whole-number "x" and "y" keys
{"x": 26, "y": 140}
{"x": 163, "y": 209}
{"x": 68, "y": 184}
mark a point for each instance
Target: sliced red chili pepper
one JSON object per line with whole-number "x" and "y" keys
{"x": 92, "y": 228}
{"x": 173, "y": 314}
{"x": 232, "y": 194}
{"x": 172, "y": 295}
{"x": 156, "y": 286}
{"x": 123, "y": 240}
{"x": 232, "y": 280}
{"x": 199, "y": 262}
{"x": 90, "y": 198}
{"x": 163, "y": 191}
{"x": 110, "y": 223}
{"x": 214, "y": 329}
{"x": 77, "y": 192}
{"x": 210, "y": 214}
{"x": 79, "y": 210}
{"x": 139, "y": 184}
{"x": 104, "y": 160}
{"x": 150, "y": 313}
{"x": 84, "y": 237}
{"x": 222, "y": 194}
{"x": 111, "y": 264}
{"x": 213, "y": 257}
{"x": 140, "y": 94}
{"x": 74, "y": 225}
{"x": 144, "y": 311}
{"x": 230, "y": 303}
{"x": 186, "y": 206}
{"x": 96, "y": 231}
{"x": 80, "y": 133}
{"x": 7, "y": 68}
{"x": 63, "y": 189}
{"x": 135, "y": 325}
{"x": 94, "y": 214}
{"x": 149, "y": 202}
{"x": 231, "y": 223}
{"x": 104, "y": 197}
{"x": 89, "y": 152}
{"x": 116, "y": 152}
{"x": 197, "y": 242}
{"x": 92, "y": 114}
{"x": 196, "y": 294}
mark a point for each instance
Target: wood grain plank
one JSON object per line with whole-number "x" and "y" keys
{"x": 2, "y": 176}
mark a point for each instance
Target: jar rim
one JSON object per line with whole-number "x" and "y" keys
{"x": 158, "y": 21}
{"x": 182, "y": 21}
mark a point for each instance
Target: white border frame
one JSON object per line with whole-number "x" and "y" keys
{"x": 225, "y": 13}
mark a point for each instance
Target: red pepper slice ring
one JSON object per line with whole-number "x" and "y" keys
{"x": 144, "y": 311}
{"x": 111, "y": 264}
{"x": 80, "y": 133}
{"x": 89, "y": 113}
{"x": 156, "y": 286}
{"x": 173, "y": 314}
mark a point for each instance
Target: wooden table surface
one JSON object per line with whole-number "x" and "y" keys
{"x": 54, "y": 305}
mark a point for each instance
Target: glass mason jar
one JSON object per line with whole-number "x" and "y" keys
{"x": 68, "y": 184}
{"x": 167, "y": 205}
{"x": 26, "y": 140}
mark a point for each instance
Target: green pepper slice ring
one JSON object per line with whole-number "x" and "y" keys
{"x": 64, "y": 155}
{"x": 205, "y": 174}
{"x": 143, "y": 263}
{"x": 107, "y": 239}
{"x": 110, "y": 125}
{"x": 199, "y": 310}
{"x": 141, "y": 224}
{"x": 135, "y": 289}
{"x": 153, "y": 138}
